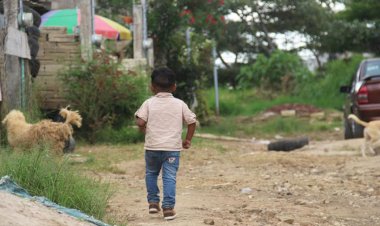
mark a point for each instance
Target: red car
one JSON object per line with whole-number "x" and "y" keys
{"x": 363, "y": 97}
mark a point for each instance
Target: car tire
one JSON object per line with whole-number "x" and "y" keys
{"x": 357, "y": 130}
{"x": 347, "y": 130}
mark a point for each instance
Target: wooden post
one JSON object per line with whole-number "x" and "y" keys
{"x": 138, "y": 51}
{"x": 150, "y": 54}
{"x": 10, "y": 79}
{"x": 10, "y": 75}
{"x": 86, "y": 29}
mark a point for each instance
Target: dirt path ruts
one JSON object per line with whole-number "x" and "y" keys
{"x": 231, "y": 183}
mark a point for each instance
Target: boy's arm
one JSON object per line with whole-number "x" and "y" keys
{"x": 141, "y": 124}
{"x": 189, "y": 135}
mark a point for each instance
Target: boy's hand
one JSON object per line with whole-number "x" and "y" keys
{"x": 186, "y": 144}
{"x": 141, "y": 124}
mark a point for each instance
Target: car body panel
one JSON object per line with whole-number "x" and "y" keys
{"x": 363, "y": 99}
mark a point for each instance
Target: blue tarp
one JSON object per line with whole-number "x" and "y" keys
{"x": 6, "y": 184}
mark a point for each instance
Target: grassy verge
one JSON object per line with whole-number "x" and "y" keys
{"x": 248, "y": 127}
{"x": 42, "y": 174}
{"x": 104, "y": 158}
{"x": 251, "y": 102}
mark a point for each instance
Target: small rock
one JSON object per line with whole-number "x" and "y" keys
{"x": 265, "y": 142}
{"x": 246, "y": 190}
{"x": 289, "y": 220}
{"x": 301, "y": 202}
{"x": 315, "y": 171}
{"x": 267, "y": 177}
{"x": 209, "y": 221}
{"x": 278, "y": 137}
{"x": 288, "y": 113}
{"x": 317, "y": 115}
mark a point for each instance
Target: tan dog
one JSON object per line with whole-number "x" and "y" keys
{"x": 23, "y": 135}
{"x": 371, "y": 134}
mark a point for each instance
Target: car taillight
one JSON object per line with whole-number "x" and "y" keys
{"x": 363, "y": 95}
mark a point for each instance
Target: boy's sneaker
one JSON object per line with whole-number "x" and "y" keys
{"x": 154, "y": 208}
{"x": 169, "y": 213}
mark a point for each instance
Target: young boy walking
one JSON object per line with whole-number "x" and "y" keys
{"x": 161, "y": 118}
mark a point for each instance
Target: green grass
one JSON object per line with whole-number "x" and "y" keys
{"x": 248, "y": 127}
{"x": 124, "y": 135}
{"x": 248, "y": 102}
{"x": 99, "y": 160}
{"x": 43, "y": 174}
{"x": 239, "y": 110}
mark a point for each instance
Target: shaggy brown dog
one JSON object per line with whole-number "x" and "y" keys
{"x": 22, "y": 135}
{"x": 371, "y": 135}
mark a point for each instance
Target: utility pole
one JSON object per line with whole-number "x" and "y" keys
{"x": 188, "y": 44}
{"x": 86, "y": 29}
{"x": 138, "y": 32}
{"x": 10, "y": 71}
{"x": 215, "y": 72}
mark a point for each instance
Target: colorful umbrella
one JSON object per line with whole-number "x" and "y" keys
{"x": 70, "y": 18}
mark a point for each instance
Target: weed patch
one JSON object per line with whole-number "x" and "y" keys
{"x": 42, "y": 174}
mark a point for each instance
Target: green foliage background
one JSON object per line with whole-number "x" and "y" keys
{"x": 105, "y": 94}
{"x": 281, "y": 72}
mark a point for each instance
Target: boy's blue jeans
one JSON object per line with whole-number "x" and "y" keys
{"x": 168, "y": 161}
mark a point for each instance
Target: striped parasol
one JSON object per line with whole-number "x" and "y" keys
{"x": 70, "y": 18}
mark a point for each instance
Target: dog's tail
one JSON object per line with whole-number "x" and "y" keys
{"x": 72, "y": 117}
{"x": 357, "y": 120}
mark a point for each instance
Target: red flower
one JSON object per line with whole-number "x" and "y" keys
{"x": 185, "y": 12}
{"x": 192, "y": 20}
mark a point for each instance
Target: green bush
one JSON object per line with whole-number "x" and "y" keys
{"x": 280, "y": 72}
{"x": 323, "y": 90}
{"x": 43, "y": 175}
{"x": 245, "y": 101}
{"x": 125, "y": 134}
{"x": 105, "y": 95}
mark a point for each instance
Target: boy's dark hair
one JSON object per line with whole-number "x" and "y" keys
{"x": 163, "y": 78}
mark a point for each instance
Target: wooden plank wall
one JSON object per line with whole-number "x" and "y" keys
{"x": 57, "y": 51}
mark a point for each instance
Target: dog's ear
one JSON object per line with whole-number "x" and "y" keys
{"x": 4, "y": 122}
{"x": 6, "y": 118}
{"x": 64, "y": 112}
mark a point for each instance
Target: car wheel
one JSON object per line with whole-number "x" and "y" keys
{"x": 347, "y": 130}
{"x": 357, "y": 130}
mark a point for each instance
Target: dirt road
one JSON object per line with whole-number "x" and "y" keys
{"x": 237, "y": 183}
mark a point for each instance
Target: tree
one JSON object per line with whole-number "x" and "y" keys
{"x": 114, "y": 8}
{"x": 357, "y": 28}
{"x": 280, "y": 72}
{"x": 262, "y": 20}
{"x": 257, "y": 25}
